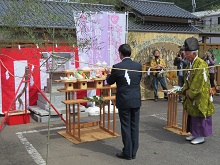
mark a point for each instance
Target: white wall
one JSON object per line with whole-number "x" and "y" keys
{"x": 212, "y": 26}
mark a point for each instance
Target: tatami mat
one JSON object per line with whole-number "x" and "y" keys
{"x": 88, "y": 134}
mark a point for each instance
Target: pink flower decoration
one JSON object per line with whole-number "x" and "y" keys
{"x": 114, "y": 19}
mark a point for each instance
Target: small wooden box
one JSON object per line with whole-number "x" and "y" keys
{"x": 69, "y": 86}
{"x": 18, "y": 117}
{"x": 95, "y": 84}
{"x": 81, "y": 84}
{"x": 98, "y": 83}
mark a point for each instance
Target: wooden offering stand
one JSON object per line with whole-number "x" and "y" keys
{"x": 73, "y": 126}
{"x": 172, "y": 124}
{"x": 69, "y": 84}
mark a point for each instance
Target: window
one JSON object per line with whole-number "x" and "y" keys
{"x": 218, "y": 20}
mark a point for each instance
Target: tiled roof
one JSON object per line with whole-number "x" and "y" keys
{"x": 44, "y": 13}
{"x": 207, "y": 13}
{"x": 161, "y": 9}
{"x": 162, "y": 27}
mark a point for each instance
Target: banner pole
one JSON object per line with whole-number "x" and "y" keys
{"x": 126, "y": 36}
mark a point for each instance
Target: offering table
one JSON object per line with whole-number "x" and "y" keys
{"x": 172, "y": 124}
{"x": 73, "y": 127}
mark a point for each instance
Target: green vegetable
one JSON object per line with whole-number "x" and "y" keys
{"x": 78, "y": 76}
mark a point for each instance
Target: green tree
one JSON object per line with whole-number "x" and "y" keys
{"x": 19, "y": 28}
{"x": 215, "y": 7}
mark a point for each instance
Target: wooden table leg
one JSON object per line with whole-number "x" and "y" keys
{"x": 172, "y": 110}
{"x": 67, "y": 118}
{"x": 175, "y": 102}
{"x": 184, "y": 121}
{"x": 102, "y": 109}
{"x": 114, "y": 117}
{"x": 103, "y": 117}
{"x": 109, "y": 118}
{"x": 78, "y": 121}
{"x": 74, "y": 120}
{"x": 169, "y": 111}
{"x": 100, "y": 116}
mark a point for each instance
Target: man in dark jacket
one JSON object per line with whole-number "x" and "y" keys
{"x": 181, "y": 62}
{"x": 127, "y": 77}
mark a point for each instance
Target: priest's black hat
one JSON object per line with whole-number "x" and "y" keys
{"x": 191, "y": 44}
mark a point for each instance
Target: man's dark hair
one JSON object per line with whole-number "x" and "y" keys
{"x": 125, "y": 49}
{"x": 154, "y": 51}
{"x": 182, "y": 49}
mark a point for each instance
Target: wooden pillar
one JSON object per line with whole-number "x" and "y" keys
{"x": 218, "y": 75}
{"x": 204, "y": 45}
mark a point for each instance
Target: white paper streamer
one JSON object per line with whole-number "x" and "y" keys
{"x": 174, "y": 89}
{"x": 194, "y": 102}
{"x": 148, "y": 71}
{"x": 204, "y": 74}
{"x": 7, "y": 75}
{"x": 127, "y": 77}
{"x": 211, "y": 98}
{"x": 188, "y": 75}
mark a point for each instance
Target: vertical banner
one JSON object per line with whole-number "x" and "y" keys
{"x": 100, "y": 38}
{"x": 92, "y": 38}
{"x": 0, "y": 90}
{"x": 35, "y": 79}
{"x": 84, "y": 38}
{"x": 43, "y": 74}
{"x": 117, "y": 30}
{"x": 19, "y": 71}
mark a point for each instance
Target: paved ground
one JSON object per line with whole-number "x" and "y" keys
{"x": 27, "y": 144}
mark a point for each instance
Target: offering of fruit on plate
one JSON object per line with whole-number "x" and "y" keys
{"x": 82, "y": 75}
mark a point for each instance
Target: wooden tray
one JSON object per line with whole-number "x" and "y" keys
{"x": 82, "y": 80}
{"x": 98, "y": 79}
{"x": 86, "y": 70}
{"x": 67, "y": 71}
{"x": 68, "y": 81}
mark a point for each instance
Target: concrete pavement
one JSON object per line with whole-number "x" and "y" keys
{"x": 26, "y": 144}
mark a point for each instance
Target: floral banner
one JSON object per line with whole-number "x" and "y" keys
{"x": 117, "y": 29}
{"x": 99, "y": 36}
{"x": 92, "y": 38}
